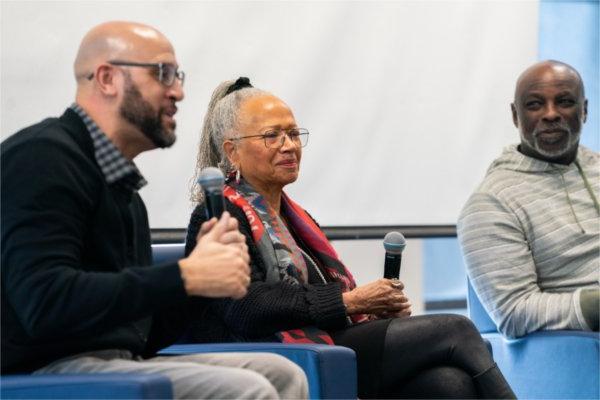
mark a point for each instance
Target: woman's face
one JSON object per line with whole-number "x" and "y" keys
{"x": 261, "y": 166}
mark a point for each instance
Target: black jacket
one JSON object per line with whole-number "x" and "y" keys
{"x": 268, "y": 307}
{"x": 76, "y": 255}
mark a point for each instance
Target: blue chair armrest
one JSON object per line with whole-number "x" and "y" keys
{"x": 550, "y": 364}
{"x": 85, "y": 386}
{"x": 331, "y": 370}
{"x": 477, "y": 313}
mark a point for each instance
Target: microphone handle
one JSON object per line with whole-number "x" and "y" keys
{"x": 391, "y": 269}
{"x": 215, "y": 204}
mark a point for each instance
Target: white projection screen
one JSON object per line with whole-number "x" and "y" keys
{"x": 407, "y": 102}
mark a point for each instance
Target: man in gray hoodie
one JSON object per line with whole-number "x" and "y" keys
{"x": 530, "y": 233}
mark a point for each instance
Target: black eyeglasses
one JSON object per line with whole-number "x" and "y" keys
{"x": 275, "y": 138}
{"x": 166, "y": 72}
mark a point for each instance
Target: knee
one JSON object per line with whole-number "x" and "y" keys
{"x": 230, "y": 383}
{"x": 252, "y": 385}
{"x": 288, "y": 378}
{"x": 293, "y": 378}
{"x": 460, "y": 326}
{"x": 260, "y": 388}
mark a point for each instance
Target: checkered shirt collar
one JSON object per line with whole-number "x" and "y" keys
{"x": 112, "y": 162}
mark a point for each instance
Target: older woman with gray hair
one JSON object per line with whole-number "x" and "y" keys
{"x": 300, "y": 290}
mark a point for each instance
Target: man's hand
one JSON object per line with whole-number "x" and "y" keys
{"x": 231, "y": 234}
{"x": 218, "y": 265}
{"x": 383, "y": 297}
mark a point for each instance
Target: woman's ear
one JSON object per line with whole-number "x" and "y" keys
{"x": 230, "y": 150}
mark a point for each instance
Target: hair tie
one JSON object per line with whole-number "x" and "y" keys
{"x": 242, "y": 82}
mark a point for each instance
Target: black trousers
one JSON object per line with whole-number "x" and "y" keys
{"x": 428, "y": 356}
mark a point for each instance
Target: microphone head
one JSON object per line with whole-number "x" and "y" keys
{"x": 211, "y": 178}
{"x": 394, "y": 243}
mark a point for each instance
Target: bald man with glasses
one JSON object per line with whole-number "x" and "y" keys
{"x": 79, "y": 294}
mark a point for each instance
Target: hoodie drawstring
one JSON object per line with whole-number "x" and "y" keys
{"x": 588, "y": 188}
{"x": 564, "y": 185}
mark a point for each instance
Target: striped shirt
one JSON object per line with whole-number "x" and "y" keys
{"x": 530, "y": 236}
{"x": 115, "y": 167}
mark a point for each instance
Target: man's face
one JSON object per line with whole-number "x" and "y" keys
{"x": 147, "y": 103}
{"x": 549, "y": 111}
{"x": 157, "y": 124}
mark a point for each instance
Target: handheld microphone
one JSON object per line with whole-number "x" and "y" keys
{"x": 394, "y": 243}
{"x": 211, "y": 180}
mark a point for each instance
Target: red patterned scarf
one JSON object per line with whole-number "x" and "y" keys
{"x": 282, "y": 265}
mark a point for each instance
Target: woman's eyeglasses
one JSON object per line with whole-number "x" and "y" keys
{"x": 274, "y": 139}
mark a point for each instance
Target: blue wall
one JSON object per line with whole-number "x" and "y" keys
{"x": 444, "y": 275}
{"x": 569, "y": 32}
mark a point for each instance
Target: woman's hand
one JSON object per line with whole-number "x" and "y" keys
{"x": 384, "y": 298}
{"x": 400, "y": 314}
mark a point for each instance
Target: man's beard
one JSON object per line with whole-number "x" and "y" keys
{"x": 535, "y": 141}
{"x": 142, "y": 115}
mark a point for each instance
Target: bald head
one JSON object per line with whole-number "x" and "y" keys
{"x": 117, "y": 40}
{"x": 544, "y": 71}
{"x": 549, "y": 110}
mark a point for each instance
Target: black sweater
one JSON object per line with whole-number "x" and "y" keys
{"x": 76, "y": 255}
{"x": 267, "y": 308}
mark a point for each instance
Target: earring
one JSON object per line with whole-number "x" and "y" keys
{"x": 238, "y": 175}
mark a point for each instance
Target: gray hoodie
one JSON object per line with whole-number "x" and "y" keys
{"x": 530, "y": 236}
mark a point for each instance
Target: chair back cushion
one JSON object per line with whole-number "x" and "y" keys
{"x": 163, "y": 253}
{"x": 477, "y": 313}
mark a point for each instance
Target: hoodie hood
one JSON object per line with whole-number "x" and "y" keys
{"x": 513, "y": 160}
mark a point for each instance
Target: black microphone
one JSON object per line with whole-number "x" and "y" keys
{"x": 211, "y": 180}
{"x": 394, "y": 243}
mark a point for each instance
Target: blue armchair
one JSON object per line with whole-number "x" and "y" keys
{"x": 85, "y": 386}
{"x": 545, "y": 364}
{"x": 331, "y": 370}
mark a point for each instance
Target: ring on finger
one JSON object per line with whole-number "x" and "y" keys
{"x": 396, "y": 283}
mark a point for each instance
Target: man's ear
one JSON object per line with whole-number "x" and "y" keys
{"x": 585, "y": 110}
{"x": 515, "y": 117}
{"x": 106, "y": 79}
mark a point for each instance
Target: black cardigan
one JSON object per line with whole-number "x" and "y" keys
{"x": 267, "y": 308}
{"x": 75, "y": 255}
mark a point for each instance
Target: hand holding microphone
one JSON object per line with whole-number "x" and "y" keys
{"x": 394, "y": 244}
{"x": 384, "y": 298}
{"x": 219, "y": 264}
{"x": 215, "y": 269}
{"x": 211, "y": 180}
{"x": 378, "y": 297}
